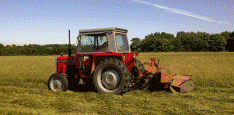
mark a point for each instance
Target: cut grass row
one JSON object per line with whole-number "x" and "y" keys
{"x": 39, "y": 101}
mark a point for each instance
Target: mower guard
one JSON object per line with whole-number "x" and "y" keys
{"x": 182, "y": 84}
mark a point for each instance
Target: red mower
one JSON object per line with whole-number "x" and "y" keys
{"x": 104, "y": 60}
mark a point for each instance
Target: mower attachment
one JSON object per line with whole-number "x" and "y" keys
{"x": 177, "y": 83}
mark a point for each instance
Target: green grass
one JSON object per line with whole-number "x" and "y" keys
{"x": 23, "y": 88}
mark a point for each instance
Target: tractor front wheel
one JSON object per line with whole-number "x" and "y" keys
{"x": 58, "y": 82}
{"x": 111, "y": 76}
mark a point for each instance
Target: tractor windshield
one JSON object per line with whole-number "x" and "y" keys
{"x": 93, "y": 43}
{"x": 122, "y": 43}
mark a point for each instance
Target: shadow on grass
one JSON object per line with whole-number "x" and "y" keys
{"x": 158, "y": 88}
{"x": 91, "y": 88}
{"x": 82, "y": 88}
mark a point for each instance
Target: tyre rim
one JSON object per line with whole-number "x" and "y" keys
{"x": 110, "y": 79}
{"x": 56, "y": 84}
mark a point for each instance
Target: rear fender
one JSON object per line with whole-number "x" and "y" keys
{"x": 98, "y": 59}
{"x": 127, "y": 58}
{"x": 94, "y": 60}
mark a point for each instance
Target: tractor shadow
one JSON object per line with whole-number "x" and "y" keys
{"x": 91, "y": 88}
{"x": 158, "y": 88}
{"x": 82, "y": 88}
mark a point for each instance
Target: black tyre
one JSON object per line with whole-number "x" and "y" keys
{"x": 138, "y": 69}
{"x": 58, "y": 82}
{"x": 111, "y": 76}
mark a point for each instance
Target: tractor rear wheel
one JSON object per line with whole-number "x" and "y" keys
{"x": 111, "y": 76}
{"x": 58, "y": 82}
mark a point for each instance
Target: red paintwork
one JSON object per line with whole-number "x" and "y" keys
{"x": 165, "y": 78}
{"x": 63, "y": 61}
{"x": 86, "y": 61}
{"x": 152, "y": 64}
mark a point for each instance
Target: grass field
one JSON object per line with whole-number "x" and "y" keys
{"x": 23, "y": 88}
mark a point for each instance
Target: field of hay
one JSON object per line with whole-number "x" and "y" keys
{"x": 23, "y": 88}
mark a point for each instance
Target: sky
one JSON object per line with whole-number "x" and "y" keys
{"x": 48, "y": 21}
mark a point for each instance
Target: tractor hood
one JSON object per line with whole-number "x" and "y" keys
{"x": 66, "y": 59}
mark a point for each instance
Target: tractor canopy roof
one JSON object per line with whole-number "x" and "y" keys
{"x": 102, "y": 30}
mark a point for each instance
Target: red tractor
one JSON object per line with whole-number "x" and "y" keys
{"x": 104, "y": 59}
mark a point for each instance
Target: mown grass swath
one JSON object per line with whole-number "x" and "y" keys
{"x": 23, "y": 88}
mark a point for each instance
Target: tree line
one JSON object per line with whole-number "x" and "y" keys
{"x": 184, "y": 41}
{"x": 34, "y": 49}
{"x": 155, "y": 42}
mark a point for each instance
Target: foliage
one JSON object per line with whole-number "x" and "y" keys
{"x": 135, "y": 46}
{"x": 157, "y": 42}
{"x": 1, "y": 49}
{"x": 34, "y": 49}
{"x": 230, "y": 40}
{"x": 216, "y": 43}
{"x": 184, "y": 41}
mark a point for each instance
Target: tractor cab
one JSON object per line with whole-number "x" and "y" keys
{"x": 103, "y": 40}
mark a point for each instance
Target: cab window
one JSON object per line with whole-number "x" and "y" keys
{"x": 93, "y": 43}
{"x": 121, "y": 42}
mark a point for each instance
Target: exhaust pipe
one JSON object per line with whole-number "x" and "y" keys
{"x": 69, "y": 45}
